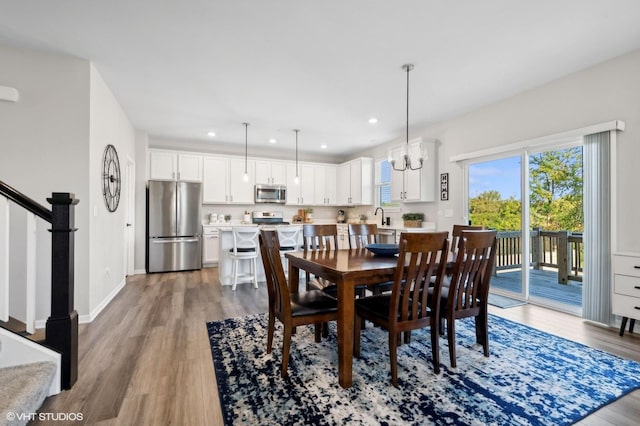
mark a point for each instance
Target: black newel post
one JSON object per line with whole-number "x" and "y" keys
{"x": 62, "y": 325}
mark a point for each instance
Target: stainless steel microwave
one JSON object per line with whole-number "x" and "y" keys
{"x": 271, "y": 194}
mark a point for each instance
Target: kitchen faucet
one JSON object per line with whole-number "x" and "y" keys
{"x": 376, "y": 213}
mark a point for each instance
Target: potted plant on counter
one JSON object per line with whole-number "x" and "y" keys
{"x": 413, "y": 220}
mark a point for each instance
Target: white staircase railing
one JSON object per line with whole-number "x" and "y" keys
{"x": 4, "y": 259}
{"x": 26, "y": 284}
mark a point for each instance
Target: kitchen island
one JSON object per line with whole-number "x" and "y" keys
{"x": 225, "y": 237}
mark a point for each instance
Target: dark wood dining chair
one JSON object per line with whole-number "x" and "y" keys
{"x": 468, "y": 290}
{"x": 361, "y": 235}
{"x": 410, "y": 305}
{"x": 457, "y": 230}
{"x": 292, "y": 309}
{"x": 315, "y": 238}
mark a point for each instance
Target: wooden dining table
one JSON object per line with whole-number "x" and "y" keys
{"x": 348, "y": 269}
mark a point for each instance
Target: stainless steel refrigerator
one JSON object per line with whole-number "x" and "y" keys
{"x": 174, "y": 227}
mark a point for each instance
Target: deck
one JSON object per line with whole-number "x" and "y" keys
{"x": 543, "y": 283}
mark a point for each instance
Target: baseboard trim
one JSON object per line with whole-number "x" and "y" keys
{"x": 95, "y": 312}
{"x": 87, "y": 318}
{"x": 139, "y": 272}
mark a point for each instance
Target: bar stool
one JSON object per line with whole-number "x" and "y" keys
{"x": 289, "y": 237}
{"x": 245, "y": 247}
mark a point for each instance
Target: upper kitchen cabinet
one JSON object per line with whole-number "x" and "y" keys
{"x": 415, "y": 185}
{"x": 223, "y": 181}
{"x": 167, "y": 165}
{"x": 270, "y": 172}
{"x": 301, "y": 193}
{"x": 355, "y": 182}
{"x": 325, "y": 189}
{"x": 241, "y": 190}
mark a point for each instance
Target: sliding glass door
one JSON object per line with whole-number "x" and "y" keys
{"x": 534, "y": 201}
{"x": 495, "y": 202}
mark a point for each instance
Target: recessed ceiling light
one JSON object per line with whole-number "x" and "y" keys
{"x": 323, "y": 146}
{"x": 373, "y": 120}
{"x": 272, "y": 140}
{"x": 211, "y": 134}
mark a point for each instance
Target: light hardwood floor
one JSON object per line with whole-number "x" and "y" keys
{"x": 146, "y": 359}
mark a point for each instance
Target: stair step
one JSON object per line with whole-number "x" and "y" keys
{"x": 24, "y": 388}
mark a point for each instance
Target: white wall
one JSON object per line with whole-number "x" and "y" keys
{"x": 608, "y": 91}
{"x": 108, "y": 125}
{"x": 44, "y": 146}
{"x": 52, "y": 140}
{"x": 142, "y": 144}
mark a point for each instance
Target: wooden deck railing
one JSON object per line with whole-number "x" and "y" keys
{"x": 561, "y": 250}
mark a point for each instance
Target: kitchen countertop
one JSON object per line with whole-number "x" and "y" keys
{"x": 427, "y": 226}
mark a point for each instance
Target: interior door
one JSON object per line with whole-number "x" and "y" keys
{"x": 129, "y": 218}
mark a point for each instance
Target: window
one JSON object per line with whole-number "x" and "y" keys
{"x": 383, "y": 185}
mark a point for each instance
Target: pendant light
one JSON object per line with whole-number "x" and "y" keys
{"x": 297, "y": 178}
{"x": 245, "y": 177}
{"x": 405, "y": 153}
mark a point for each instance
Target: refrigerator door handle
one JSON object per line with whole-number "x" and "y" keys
{"x": 182, "y": 240}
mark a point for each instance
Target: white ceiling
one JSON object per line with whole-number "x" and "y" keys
{"x": 180, "y": 68}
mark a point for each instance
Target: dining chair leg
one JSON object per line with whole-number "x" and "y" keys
{"x": 393, "y": 357}
{"x": 325, "y": 329}
{"x": 407, "y": 337}
{"x": 286, "y": 346}
{"x": 435, "y": 344}
{"x": 318, "y": 331}
{"x": 357, "y": 326}
{"x": 451, "y": 337}
{"x": 270, "y": 330}
{"x": 482, "y": 331}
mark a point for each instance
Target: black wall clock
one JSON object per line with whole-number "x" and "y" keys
{"x": 111, "y": 178}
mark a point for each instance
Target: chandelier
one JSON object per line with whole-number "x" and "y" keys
{"x": 406, "y": 151}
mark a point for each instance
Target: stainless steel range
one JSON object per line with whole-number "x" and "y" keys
{"x": 268, "y": 218}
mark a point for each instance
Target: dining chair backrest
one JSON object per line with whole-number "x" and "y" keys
{"x": 419, "y": 260}
{"x": 245, "y": 240}
{"x": 277, "y": 288}
{"x": 457, "y": 230}
{"x": 472, "y": 270}
{"x": 361, "y": 235}
{"x": 288, "y": 237}
{"x": 320, "y": 237}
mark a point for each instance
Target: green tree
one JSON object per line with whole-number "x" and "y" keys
{"x": 555, "y": 185}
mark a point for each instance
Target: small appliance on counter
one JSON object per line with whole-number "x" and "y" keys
{"x": 340, "y": 218}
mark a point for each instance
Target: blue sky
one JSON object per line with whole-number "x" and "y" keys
{"x": 498, "y": 175}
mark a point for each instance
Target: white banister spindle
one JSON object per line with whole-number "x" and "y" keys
{"x": 31, "y": 274}
{"x": 4, "y": 259}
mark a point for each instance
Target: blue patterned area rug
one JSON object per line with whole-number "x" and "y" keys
{"x": 531, "y": 378}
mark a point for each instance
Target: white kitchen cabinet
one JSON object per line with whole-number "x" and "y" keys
{"x": 215, "y": 184}
{"x": 355, "y": 182}
{"x": 241, "y": 191}
{"x": 626, "y": 286}
{"x": 223, "y": 181}
{"x": 325, "y": 177}
{"x": 167, "y": 165}
{"x": 210, "y": 246}
{"x": 414, "y": 185}
{"x": 270, "y": 172}
{"x": 301, "y": 193}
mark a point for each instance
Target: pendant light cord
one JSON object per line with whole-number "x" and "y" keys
{"x": 246, "y": 125}
{"x": 296, "y": 130}
{"x": 407, "y": 67}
